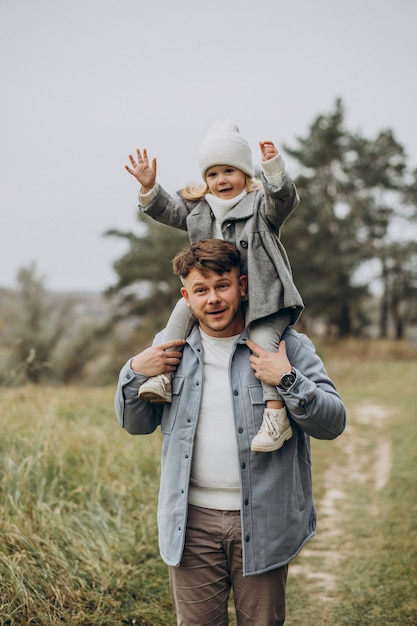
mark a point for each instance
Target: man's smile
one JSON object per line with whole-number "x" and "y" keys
{"x": 216, "y": 313}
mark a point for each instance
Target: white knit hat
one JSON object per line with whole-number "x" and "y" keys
{"x": 223, "y": 145}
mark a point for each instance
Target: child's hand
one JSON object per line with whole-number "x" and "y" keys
{"x": 144, "y": 173}
{"x": 268, "y": 150}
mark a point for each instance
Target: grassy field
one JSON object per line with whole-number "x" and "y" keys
{"x": 78, "y": 541}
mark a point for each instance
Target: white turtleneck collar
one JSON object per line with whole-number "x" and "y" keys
{"x": 220, "y": 207}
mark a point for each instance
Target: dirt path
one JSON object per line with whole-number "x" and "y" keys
{"x": 359, "y": 460}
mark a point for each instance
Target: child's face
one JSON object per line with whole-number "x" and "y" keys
{"x": 225, "y": 181}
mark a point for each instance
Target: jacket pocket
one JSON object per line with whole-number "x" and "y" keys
{"x": 170, "y": 410}
{"x": 256, "y": 394}
{"x": 256, "y": 398}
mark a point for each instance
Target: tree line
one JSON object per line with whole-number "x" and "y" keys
{"x": 351, "y": 234}
{"x": 351, "y": 242}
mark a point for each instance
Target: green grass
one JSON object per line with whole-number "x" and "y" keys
{"x": 366, "y": 550}
{"x": 78, "y": 539}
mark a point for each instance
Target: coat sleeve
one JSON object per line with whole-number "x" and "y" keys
{"x": 166, "y": 209}
{"x": 280, "y": 202}
{"x": 313, "y": 401}
{"x": 137, "y": 416}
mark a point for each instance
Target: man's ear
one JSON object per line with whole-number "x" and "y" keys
{"x": 243, "y": 285}
{"x": 184, "y": 294}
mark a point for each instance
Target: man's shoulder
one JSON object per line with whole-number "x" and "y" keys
{"x": 296, "y": 342}
{"x": 193, "y": 336}
{"x": 290, "y": 334}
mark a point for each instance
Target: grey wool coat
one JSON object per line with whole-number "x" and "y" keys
{"x": 254, "y": 226}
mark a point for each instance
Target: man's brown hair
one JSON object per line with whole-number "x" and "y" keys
{"x": 208, "y": 255}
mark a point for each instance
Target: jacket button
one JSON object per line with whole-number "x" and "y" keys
{"x": 244, "y": 244}
{"x": 243, "y": 466}
{"x": 235, "y": 393}
{"x": 240, "y": 430}
{"x": 246, "y": 502}
{"x": 247, "y": 538}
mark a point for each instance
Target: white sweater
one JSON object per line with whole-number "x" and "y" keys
{"x": 214, "y": 482}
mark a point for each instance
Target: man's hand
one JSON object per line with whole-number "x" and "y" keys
{"x": 144, "y": 173}
{"x": 158, "y": 359}
{"x": 269, "y": 366}
{"x": 268, "y": 150}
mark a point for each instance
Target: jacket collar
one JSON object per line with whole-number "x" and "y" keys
{"x": 194, "y": 338}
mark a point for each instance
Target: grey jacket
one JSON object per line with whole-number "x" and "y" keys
{"x": 253, "y": 225}
{"x": 277, "y": 507}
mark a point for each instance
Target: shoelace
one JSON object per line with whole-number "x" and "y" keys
{"x": 165, "y": 380}
{"x": 269, "y": 425}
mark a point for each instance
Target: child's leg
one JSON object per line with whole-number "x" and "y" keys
{"x": 180, "y": 322}
{"x": 275, "y": 428}
{"x": 267, "y": 333}
{"x": 158, "y": 388}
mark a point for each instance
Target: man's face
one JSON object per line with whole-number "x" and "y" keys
{"x": 216, "y": 300}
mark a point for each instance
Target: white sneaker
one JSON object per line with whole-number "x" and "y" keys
{"x": 157, "y": 389}
{"x": 274, "y": 431}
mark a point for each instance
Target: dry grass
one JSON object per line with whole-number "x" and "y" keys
{"x": 361, "y": 568}
{"x": 367, "y": 349}
{"x": 78, "y": 541}
{"x": 77, "y": 511}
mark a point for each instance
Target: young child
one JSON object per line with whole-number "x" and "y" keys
{"x": 231, "y": 205}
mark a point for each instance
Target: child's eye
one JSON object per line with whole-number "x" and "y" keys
{"x": 230, "y": 170}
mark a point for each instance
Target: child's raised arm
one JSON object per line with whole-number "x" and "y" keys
{"x": 144, "y": 173}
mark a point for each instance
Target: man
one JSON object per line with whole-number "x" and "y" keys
{"x": 229, "y": 517}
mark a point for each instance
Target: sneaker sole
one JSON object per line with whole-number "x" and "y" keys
{"x": 276, "y": 445}
{"x": 153, "y": 397}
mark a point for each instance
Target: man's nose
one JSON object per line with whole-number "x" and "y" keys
{"x": 213, "y": 295}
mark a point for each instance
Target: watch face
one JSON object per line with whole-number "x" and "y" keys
{"x": 287, "y": 380}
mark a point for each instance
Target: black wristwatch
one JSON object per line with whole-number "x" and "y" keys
{"x": 287, "y": 380}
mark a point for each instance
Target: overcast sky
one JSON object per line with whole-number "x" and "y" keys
{"x": 85, "y": 82}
